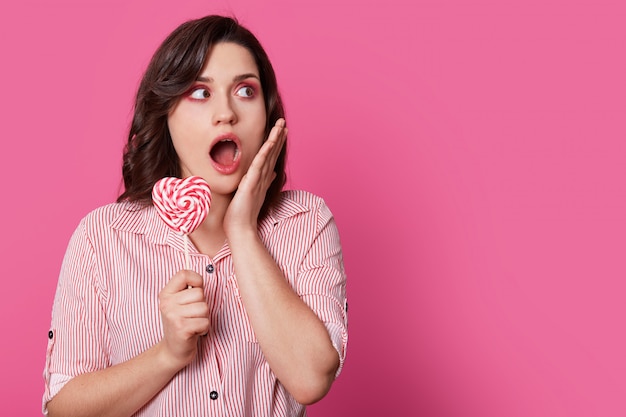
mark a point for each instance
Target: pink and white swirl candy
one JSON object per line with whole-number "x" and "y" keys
{"x": 182, "y": 204}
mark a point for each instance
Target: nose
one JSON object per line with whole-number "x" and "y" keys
{"x": 223, "y": 111}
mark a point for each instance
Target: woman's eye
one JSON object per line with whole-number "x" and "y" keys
{"x": 200, "y": 93}
{"x": 246, "y": 91}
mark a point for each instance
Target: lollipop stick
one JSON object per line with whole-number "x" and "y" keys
{"x": 187, "y": 262}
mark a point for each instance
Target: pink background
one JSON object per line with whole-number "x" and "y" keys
{"x": 473, "y": 153}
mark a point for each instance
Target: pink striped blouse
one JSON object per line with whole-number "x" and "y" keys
{"x": 106, "y": 306}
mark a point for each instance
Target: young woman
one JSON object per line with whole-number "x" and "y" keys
{"x": 257, "y": 326}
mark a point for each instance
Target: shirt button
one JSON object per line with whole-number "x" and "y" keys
{"x": 50, "y": 334}
{"x": 210, "y": 268}
{"x": 213, "y": 395}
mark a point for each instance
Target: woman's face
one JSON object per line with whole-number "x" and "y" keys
{"x": 218, "y": 126}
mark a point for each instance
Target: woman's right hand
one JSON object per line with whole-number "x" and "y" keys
{"x": 185, "y": 316}
{"x": 124, "y": 388}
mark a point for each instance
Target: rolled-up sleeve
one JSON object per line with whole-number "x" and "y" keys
{"x": 322, "y": 281}
{"x": 77, "y": 339}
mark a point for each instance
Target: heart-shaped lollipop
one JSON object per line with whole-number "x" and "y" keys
{"x": 182, "y": 204}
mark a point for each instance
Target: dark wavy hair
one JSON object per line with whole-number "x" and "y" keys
{"x": 149, "y": 154}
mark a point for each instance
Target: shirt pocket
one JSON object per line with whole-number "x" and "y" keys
{"x": 235, "y": 314}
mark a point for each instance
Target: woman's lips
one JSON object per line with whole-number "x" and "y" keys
{"x": 225, "y": 153}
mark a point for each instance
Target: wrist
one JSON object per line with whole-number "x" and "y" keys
{"x": 241, "y": 233}
{"x": 166, "y": 360}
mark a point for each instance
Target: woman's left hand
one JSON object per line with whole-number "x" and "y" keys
{"x": 294, "y": 340}
{"x": 245, "y": 206}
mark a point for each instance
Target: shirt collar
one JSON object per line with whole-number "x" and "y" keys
{"x": 283, "y": 210}
{"x": 141, "y": 219}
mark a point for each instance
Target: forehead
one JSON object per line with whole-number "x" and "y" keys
{"x": 227, "y": 59}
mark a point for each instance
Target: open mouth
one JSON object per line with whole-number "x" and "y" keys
{"x": 225, "y": 153}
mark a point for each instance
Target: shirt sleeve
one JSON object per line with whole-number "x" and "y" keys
{"x": 322, "y": 281}
{"x": 77, "y": 339}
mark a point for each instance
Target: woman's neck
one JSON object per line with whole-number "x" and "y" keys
{"x": 210, "y": 237}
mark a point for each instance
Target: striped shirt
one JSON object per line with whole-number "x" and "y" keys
{"x": 106, "y": 308}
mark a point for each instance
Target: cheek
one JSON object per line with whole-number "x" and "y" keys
{"x": 257, "y": 134}
{"x": 183, "y": 130}
{"x": 257, "y": 115}
{"x": 183, "y": 121}
{"x": 174, "y": 126}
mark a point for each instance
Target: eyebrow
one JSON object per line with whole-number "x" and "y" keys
{"x": 236, "y": 79}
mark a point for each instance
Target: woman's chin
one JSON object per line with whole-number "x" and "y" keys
{"x": 224, "y": 189}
